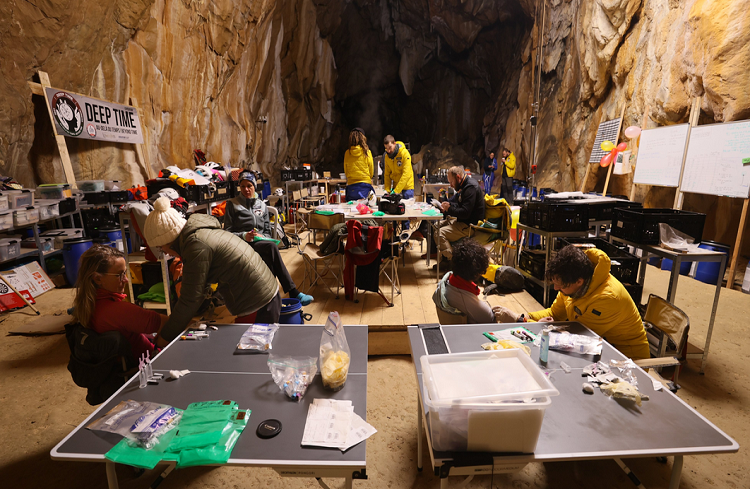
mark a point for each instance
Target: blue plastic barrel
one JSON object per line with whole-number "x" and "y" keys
{"x": 291, "y": 312}
{"x": 666, "y": 264}
{"x": 709, "y": 272}
{"x": 534, "y": 239}
{"x": 72, "y": 250}
{"x": 266, "y": 189}
{"x": 113, "y": 236}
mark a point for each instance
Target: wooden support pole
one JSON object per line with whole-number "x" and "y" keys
{"x": 140, "y": 149}
{"x": 737, "y": 245}
{"x": 695, "y": 112}
{"x": 644, "y": 124}
{"x": 62, "y": 147}
{"x": 7, "y": 282}
{"x": 612, "y": 165}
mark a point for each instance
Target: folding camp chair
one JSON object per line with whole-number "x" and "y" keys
{"x": 364, "y": 246}
{"x": 332, "y": 263}
{"x": 445, "y": 317}
{"x": 667, "y": 329}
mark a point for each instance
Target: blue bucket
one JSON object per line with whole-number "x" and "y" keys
{"x": 666, "y": 264}
{"x": 113, "y": 236}
{"x": 72, "y": 251}
{"x": 709, "y": 272}
{"x": 291, "y": 312}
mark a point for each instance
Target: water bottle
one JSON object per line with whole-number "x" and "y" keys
{"x": 544, "y": 347}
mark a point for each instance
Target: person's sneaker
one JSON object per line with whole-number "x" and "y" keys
{"x": 304, "y": 299}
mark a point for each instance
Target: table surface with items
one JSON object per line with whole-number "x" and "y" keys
{"x": 220, "y": 369}
{"x": 576, "y": 425}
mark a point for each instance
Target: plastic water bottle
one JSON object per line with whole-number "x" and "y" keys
{"x": 746, "y": 280}
{"x": 544, "y": 347}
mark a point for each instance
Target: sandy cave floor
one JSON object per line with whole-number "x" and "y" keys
{"x": 39, "y": 405}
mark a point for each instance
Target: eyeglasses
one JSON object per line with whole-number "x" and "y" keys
{"x": 122, "y": 275}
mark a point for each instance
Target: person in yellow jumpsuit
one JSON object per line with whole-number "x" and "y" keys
{"x": 358, "y": 166}
{"x": 589, "y": 294}
{"x": 509, "y": 170}
{"x": 398, "y": 174}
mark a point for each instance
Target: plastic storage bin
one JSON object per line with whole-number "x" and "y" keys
{"x": 45, "y": 243}
{"x": 19, "y": 198}
{"x": 48, "y": 209}
{"x": 642, "y": 225}
{"x": 66, "y": 206}
{"x": 6, "y": 220}
{"x": 9, "y": 248}
{"x": 112, "y": 185}
{"x": 54, "y": 191}
{"x": 96, "y": 198}
{"x": 4, "y": 205}
{"x": 91, "y": 185}
{"x": 24, "y": 217}
{"x": 59, "y": 235}
{"x": 485, "y": 401}
{"x": 532, "y": 262}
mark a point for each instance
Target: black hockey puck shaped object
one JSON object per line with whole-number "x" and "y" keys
{"x": 269, "y": 428}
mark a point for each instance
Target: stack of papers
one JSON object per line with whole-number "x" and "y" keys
{"x": 334, "y": 424}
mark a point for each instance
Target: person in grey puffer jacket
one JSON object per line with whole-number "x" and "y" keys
{"x": 211, "y": 255}
{"x": 247, "y": 217}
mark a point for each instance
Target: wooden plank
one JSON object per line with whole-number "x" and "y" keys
{"x": 62, "y": 147}
{"x": 36, "y": 88}
{"x": 141, "y": 149}
{"x": 644, "y": 124}
{"x": 695, "y": 112}
{"x": 612, "y": 164}
{"x": 737, "y": 245}
{"x": 528, "y": 303}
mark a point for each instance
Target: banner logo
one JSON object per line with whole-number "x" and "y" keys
{"x": 68, "y": 113}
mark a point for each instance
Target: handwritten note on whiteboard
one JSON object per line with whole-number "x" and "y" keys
{"x": 660, "y": 155}
{"x": 717, "y": 160}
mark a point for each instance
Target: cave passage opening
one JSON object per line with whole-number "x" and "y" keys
{"x": 446, "y": 75}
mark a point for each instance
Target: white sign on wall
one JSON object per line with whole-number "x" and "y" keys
{"x": 78, "y": 116}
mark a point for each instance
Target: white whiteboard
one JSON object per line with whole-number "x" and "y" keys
{"x": 714, "y": 163}
{"x": 660, "y": 155}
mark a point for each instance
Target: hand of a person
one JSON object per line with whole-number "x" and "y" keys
{"x": 504, "y": 315}
{"x": 445, "y": 206}
{"x": 548, "y": 319}
{"x": 250, "y": 235}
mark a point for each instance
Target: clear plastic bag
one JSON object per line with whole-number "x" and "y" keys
{"x": 576, "y": 343}
{"x": 257, "y": 338}
{"x": 292, "y": 375}
{"x": 121, "y": 418}
{"x": 334, "y": 353}
{"x": 626, "y": 368}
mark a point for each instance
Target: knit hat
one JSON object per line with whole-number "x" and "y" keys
{"x": 250, "y": 177}
{"x": 163, "y": 225}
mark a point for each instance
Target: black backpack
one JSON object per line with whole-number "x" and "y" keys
{"x": 98, "y": 362}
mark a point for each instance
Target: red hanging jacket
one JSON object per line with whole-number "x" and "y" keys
{"x": 369, "y": 239}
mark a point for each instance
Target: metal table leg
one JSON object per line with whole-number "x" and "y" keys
{"x": 673, "y": 277}
{"x": 722, "y": 268}
{"x": 420, "y": 429}
{"x": 111, "y": 476}
{"x": 674, "y": 482}
{"x": 548, "y": 243}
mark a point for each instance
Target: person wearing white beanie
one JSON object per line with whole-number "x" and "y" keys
{"x": 211, "y": 255}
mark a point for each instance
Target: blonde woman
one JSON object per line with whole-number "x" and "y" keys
{"x": 358, "y": 166}
{"x": 100, "y": 305}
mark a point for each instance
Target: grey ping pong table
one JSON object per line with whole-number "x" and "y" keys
{"x": 576, "y": 426}
{"x": 217, "y": 373}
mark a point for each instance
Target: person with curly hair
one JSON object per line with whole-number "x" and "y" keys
{"x": 589, "y": 294}
{"x": 457, "y": 292}
{"x": 358, "y": 166}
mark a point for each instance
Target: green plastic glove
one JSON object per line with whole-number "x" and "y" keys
{"x": 393, "y": 191}
{"x": 378, "y": 214}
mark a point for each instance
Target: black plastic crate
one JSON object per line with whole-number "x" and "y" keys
{"x": 118, "y": 196}
{"x": 532, "y": 262}
{"x": 95, "y": 198}
{"x": 635, "y": 291}
{"x": 554, "y": 216}
{"x": 191, "y": 193}
{"x": 68, "y": 205}
{"x": 287, "y": 175}
{"x": 537, "y": 292}
{"x": 624, "y": 265}
{"x": 642, "y": 225}
{"x": 302, "y": 175}
{"x": 525, "y": 215}
{"x": 218, "y": 192}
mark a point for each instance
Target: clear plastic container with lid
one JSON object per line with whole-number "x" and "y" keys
{"x": 485, "y": 401}
{"x": 23, "y": 217}
{"x": 91, "y": 185}
{"x": 19, "y": 198}
{"x": 54, "y": 191}
{"x": 6, "y": 220}
{"x": 9, "y": 248}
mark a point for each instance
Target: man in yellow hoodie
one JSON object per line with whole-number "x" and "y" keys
{"x": 509, "y": 171}
{"x": 589, "y": 294}
{"x": 399, "y": 177}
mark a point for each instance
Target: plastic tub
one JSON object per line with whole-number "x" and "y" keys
{"x": 6, "y": 220}
{"x": 24, "y": 217}
{"x": 54, "y": 191}
{"x": 48, "y": 209}
{"x": 485, "y": 401}
{"x": 72, "y": 251}
{"x": 708, "y": 272}
{"x": 9, "y": 248}
{"x": 291, "y": 312}
{"x": 59, "y": 235}
{"x": 112, "y": 185}
{"x": 19, "y": 198}
{"x": 45, "y": 243}
{"x": 91, "y": 185}
{"x": 4, "y": 205}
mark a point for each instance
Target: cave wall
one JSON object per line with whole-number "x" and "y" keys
{"x": 650, "y": 56}
{"x": 203, "y": 72}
